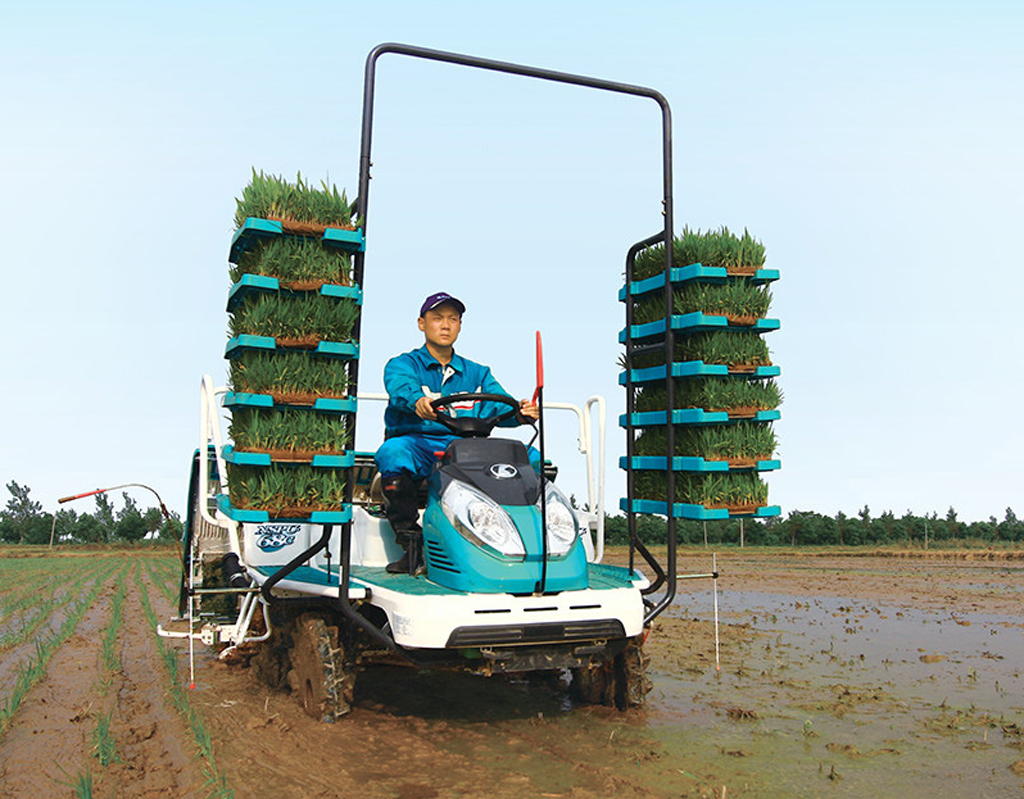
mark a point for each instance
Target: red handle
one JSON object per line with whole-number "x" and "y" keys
{"x": 540, "y": 368}
{"x": 79, "y": 496}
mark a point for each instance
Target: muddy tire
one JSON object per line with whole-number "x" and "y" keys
{"x": 320, "y": 677}
{"x": 621, "y": 682}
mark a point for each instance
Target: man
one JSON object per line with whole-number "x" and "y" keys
{"x": 412, "y": 434}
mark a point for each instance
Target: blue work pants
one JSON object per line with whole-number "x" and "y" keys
{"x": 413, "y": 454}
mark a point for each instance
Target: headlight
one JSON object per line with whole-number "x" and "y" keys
{"x": 481, "y": 520}
{"x": 561, "y": 522}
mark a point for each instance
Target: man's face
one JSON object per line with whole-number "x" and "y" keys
{"x": 441, "y": 325}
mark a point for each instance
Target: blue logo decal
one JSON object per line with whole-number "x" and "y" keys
{"x": 272, "y": 537}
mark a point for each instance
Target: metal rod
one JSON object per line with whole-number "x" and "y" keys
{"x": 714, "y": 570}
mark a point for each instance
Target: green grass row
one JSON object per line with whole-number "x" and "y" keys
{"x": 289, "y": 430}
{"x": 289, "y": 376}
{"x": 286, "y": 491}
{"x": 719, "y": 247}
{"x": 216, "y": 783}
{"x": 302, "y": 316}
{"x": 736, "y": 298}
{"x": 738, "y": 441}
{"x": 712, "y": 394}
{"x": 33, "y": 668}
{"x": 272, "y": 197}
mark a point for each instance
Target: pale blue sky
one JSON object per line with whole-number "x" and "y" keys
{"x": 876, "y": 148}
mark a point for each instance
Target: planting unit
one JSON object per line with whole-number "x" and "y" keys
{"x": 287, "y": 525}
{"x": 700, "y": 400}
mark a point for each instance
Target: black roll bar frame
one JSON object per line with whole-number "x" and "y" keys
{"x": 361, "y": 206}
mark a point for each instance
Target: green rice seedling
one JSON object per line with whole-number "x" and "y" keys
{"x": 742, "y": 441}
{"x": 294, "y": 377}
{"x": 297, "y": 262}
{"x": 714, "y": 248}
{"x": 727, "y": 347}
{"x": 733, "y": 490}
{"x": 298, "y": 318}
{"x": 299, "y": 433}
{"x": 111, "y": 661}
{"x": 273, "y": 197}
{"x": 81, "y": 784}
{"x": 713, "y": 394}
{"x": 33, "y": 668}
{"x": 740, "y": 301}
{"x": 286, "y": 491}
{"x": 104, "y": 746}
{"x": 215, "y": 783}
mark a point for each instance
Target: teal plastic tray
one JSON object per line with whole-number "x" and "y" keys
{"x": 340, "y": 516}
{"x": 694, "y": 369}
{"x": 682, "y": 463}
{"x": 696, "y": 322}
{"x": 241, "y": 399}
{"x": 340, "y": 461}
{"x": 692, "y": 416}
{"x": 254, "y": 230}
{"x": 329, "y": 349}
{"x": 685, "y": 274}
{"x": 250, "y": 285}
{"x": 682, "y": 510}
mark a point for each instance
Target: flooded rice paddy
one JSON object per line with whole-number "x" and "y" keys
{"x": 839, "y": 677}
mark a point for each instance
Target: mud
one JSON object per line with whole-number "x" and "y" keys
{"x": 838, "y": 676}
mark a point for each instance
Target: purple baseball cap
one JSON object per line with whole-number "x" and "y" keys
{"x": 441, "y": 298}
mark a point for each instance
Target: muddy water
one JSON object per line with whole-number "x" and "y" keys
{"x": 839, "y": 677}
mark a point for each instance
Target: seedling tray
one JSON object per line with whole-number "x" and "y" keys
{"x": 251, "y": 285}
{"x": 330, "y": 349}
{"x": 692, "y": 416}
{"x": 685, "y": 463}
{"x": 651, "y": 374}
{"x": 254, "y": 230}
{"x": 340, "y": 516}
{"x": 340, "y": 461}
{"x": 684, "y": 274}
{"x": 682, "y": 510}
{"x": 696, "y": 322}
{"x": 325, "y": 404}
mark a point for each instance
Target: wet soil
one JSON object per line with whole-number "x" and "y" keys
{"x": 838, "y": 676}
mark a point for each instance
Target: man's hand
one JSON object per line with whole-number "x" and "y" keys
{"x": 423, "y": 409}
{"x": 528, "y": 411}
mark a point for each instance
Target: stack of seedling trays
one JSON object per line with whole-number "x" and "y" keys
{"x": 294, "y": 316}
{"x": 725, "y": 395}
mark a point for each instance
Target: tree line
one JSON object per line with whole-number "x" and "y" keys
{"x": 808, "y": 528}
{"x": 23, "y": 521}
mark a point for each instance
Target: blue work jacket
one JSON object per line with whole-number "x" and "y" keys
{"x": 415, "y": 374}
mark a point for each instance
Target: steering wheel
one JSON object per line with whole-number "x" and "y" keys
{"x": 473, "y": 426}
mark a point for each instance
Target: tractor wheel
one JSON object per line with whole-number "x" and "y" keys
{"x": 621, "y": 682}
{"x": 320, "y": 677}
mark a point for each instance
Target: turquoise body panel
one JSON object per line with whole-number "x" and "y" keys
{"x": 457, "y": 563}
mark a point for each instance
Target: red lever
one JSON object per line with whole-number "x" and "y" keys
{"x": 540, "y": 368}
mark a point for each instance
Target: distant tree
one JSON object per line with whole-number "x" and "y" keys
{"x": 131, "y": 525}
{"x": 8, "y": 530}
{"x": 64, "y": 529}
{"x": 104, "y": 515}
{"x": 171, "y": 529}
{"x": 153, "y": 519}
{"x": 37, "y": 530}
{"x": 840, "y": 528}
{"x": 885, "y": 528}
{"x": 1010, "y": 528}
{"x": 88, "y": 530}
{"x": 21, "y": 511}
